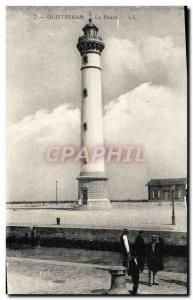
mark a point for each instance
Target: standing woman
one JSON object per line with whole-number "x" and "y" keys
{"x": 154, "y": 258}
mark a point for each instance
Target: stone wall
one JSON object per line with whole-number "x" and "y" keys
{"x": 97, "y": 188}
{"x": 101, "y": 239}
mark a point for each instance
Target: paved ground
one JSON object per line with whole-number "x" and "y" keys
{"x": 171, "y": 263}
{"x": 134, "y": 215}
{"x": 35, "y": 276}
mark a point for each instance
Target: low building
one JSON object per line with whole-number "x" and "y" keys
{"x": 161, "y": 189}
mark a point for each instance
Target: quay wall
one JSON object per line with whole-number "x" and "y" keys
{"x": 89, "y": 238}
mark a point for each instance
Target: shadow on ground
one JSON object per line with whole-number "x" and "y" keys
{"x": 178, "y": 282}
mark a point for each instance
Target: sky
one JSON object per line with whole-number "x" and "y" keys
{"x": 144, "y": 96}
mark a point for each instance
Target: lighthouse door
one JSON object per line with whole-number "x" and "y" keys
{"x": 84, "y": 195}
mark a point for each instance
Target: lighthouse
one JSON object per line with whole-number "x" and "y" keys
{"x": 92, "y": 187}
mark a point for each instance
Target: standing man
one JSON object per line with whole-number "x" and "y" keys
{"x": 140, "y": 250}
{"x": 126, "y": 248}
{"x": 154, "y": 258}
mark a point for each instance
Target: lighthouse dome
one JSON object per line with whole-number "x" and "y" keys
{"x": 90, "y": 29}
{"x": 90, "y": 41}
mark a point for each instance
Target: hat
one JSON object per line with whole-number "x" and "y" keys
{"x": 154, "y": 237}
{"x": 125, "y": 230}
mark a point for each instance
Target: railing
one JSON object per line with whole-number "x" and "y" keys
{"x": 85, "y": 38}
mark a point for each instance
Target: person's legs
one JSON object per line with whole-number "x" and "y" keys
{"x": 149, "y": 276}
{"x": 135, "y": 286}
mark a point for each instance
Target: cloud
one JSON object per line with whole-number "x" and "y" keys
{"x": 144, "y": 89}
{"x": 44, "y": 125}
{"x": 149, "y": 115}
{"x": 30, "y": 176}
{"x": 154, "y": 117}
{"x": 151, "y": 112}
{"x": 148, "y": 107}
{"x": 157, "y": 60}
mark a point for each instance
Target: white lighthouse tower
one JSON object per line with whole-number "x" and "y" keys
{"x": 92, "y": 191}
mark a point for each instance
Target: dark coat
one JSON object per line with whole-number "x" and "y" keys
{"x": 133, "y": 271}
{"x": 139, "y": 248}
{"x": 155, "y": 258}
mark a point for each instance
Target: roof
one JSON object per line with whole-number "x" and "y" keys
{"x": 90, "y": 25}
{"x": 168, "y": 181}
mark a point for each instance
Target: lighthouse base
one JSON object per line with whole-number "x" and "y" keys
{"x": 93, "y": 192}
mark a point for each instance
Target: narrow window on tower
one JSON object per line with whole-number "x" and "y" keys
{"x": 85, "y": 126}
{"x": 85, "y": 93}
{"x": 84, "y": 161}
{"x": 85, "y": 59}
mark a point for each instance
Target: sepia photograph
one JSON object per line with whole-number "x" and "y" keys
{"x": 97, "y": 150}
